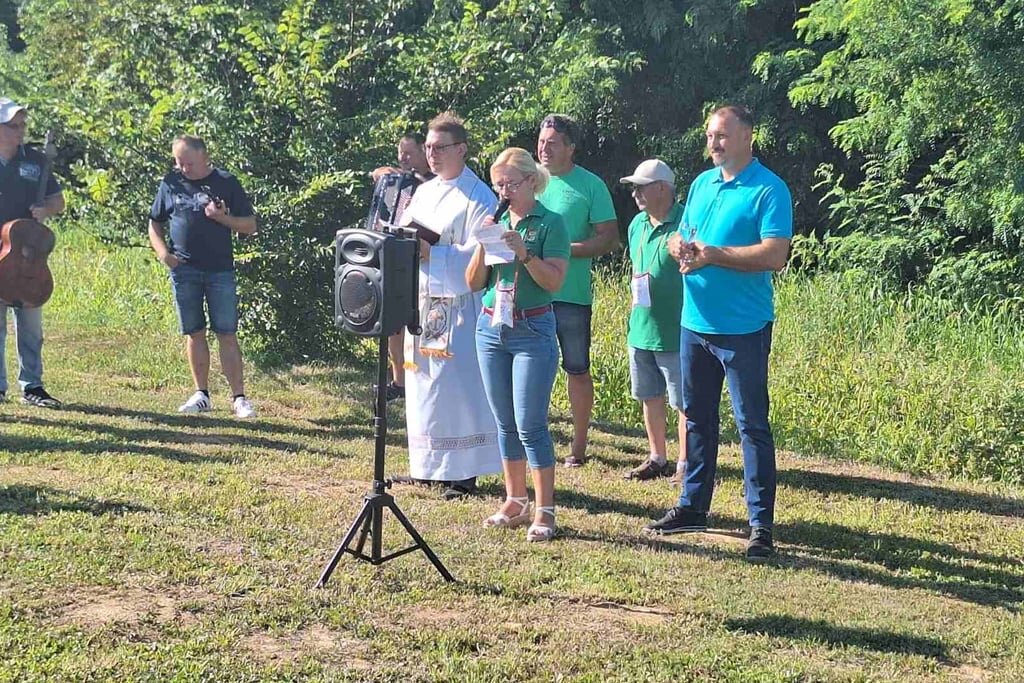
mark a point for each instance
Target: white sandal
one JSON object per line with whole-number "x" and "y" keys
{"x": 500, "y": 519}
{"x": 541, "y": 532}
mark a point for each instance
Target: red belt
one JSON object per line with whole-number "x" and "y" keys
{"x": 523, "y": 314}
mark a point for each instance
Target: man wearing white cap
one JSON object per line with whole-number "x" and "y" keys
{"x": 657, "y": 296}
{"x": 21, "y": 171}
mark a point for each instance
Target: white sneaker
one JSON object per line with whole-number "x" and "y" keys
{"x": 243, "y": 407}
{"x": 197, "y": 403}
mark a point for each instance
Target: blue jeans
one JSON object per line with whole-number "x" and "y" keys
{"x": 742, "y": 361}
{"x": 518, "y": 367}
{"x": 217, "y": 288}
{"x": 28, "y": 327}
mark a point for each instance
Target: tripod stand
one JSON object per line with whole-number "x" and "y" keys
{"x": 370, "y": 520}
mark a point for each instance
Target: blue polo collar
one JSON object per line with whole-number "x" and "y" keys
{"x": 744, "y": 175}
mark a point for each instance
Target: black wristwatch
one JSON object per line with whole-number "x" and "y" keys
{"x": 528, "y": 257}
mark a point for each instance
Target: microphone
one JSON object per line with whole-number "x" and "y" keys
{"x": 502, "y": 208}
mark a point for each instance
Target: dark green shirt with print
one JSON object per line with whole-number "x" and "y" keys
{"x": 656, "y": 328}
{"x": 545, "y": 237}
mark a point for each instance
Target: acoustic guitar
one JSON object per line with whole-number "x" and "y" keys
{"x": 25, "y": 244}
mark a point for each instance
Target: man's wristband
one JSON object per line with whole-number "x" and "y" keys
{"x": 528, "y": 257}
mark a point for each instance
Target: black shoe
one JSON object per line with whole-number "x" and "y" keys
{"x": 460, "y": 489}
{"x": 37, "y": 396}
{"x": 760, "y": 546}
{"x": 3, "y": 396}
{"x": 679, "y": 520}
{"x": 406, "y": 479}
{"x": 394, "y": 392}
{"x": 651, "y": 470}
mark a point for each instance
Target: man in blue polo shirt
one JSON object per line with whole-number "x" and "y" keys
{"x": 735, "y": 232}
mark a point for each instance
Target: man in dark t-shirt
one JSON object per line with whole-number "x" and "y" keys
{"x": 21, "y": 172}
{"x": 204, "y": 206}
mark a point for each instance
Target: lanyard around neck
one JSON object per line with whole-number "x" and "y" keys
{"x": 643, "y": 240}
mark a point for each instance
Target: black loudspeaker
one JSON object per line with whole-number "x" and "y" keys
{"x": 376, "y": 277}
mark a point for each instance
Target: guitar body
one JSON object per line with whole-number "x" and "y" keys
{"x": 25, "y": 278}
{"x": 25, "y": 244}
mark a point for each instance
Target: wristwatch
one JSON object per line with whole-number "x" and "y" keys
{"x": 528, "y": 257}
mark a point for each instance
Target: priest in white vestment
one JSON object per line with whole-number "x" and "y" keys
{"x": 452, "y": 434}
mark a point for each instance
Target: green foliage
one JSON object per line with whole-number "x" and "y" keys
{"x": 939, "y": 94}
{"x": 300, "y": 100}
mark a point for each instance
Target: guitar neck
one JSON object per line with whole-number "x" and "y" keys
{"x": 49, "y": 152}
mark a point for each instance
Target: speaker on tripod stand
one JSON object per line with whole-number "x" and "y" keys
{"x": 376, "y": 282}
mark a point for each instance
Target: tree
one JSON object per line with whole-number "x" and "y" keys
{"x": 938, "y": 92}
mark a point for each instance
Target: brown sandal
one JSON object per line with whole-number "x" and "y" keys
{"x": 573, "y": 461}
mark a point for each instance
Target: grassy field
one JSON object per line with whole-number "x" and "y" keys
{"x": 140, "y": 545}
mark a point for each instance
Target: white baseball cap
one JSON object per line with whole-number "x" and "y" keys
{"x": 650, "y": 171}
{"x": 8, "y": 109}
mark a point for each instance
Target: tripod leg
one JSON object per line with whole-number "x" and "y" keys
{"x": 363, "y": 533}
{"x": 420, "y": 542}
{"x": 364, "y": 514}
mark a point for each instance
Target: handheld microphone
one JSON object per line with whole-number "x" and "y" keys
{"x": 502, "y": 208}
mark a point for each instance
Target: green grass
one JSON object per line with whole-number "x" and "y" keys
{"x": 140, "y": 545}
{"x": 901, "y": 381}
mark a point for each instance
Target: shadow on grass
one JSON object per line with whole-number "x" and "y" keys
{"x": 906, "y": 562}
{"x": 820, "y": 631}
{"x": 494, "y": 485}
{"x": 921, "y": 495}
{"x": 895, "y": 561}
{"x": 20, "y": 444}
{"x": 20, "y": 499}
{"x": 574, "y": 498}
{"x": 602, "y": 426}
{"x": 193, "y": 421}
{"x": 176, "y": 437}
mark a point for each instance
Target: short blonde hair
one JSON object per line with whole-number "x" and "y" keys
{"x": 521, "y": 160}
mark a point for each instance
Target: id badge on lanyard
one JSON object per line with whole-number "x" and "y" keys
{"x": 640, "y": 286}
{"x": 504, "y": 302}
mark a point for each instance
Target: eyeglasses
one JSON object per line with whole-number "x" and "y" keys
{"x": 437, "y": 149}
{"x": 511, "y": 187}
{"x": 640, "y": 189}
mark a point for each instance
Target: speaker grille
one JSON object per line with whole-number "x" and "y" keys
{"x": 360, "y": 298}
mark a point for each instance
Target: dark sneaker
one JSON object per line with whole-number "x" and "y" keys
{"x": 460, "y": 489}
{"x": 37, "y": 396}
{"x": 394, "y": 392}
{"x": 3, "y": 396}
{"x": 679, "y": 520}
{"x": 760, "y": 546}
{"x": 651, "y": 470}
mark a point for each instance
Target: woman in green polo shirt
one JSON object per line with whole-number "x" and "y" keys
{"x": 519, "y": 268}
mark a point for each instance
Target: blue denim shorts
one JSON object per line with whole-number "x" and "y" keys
{"x": 652, "y": 373}
{"x": 217, "y": 288}
{"x": 572, "y": 326}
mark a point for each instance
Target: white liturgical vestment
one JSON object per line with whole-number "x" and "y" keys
{"x": 452, "y": 433}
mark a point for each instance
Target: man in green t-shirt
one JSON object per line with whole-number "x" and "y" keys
{"x": 585, "y": 205}
{"x": 657, "y": 296}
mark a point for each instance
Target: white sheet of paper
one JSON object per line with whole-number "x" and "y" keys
{"x": 495, "y": 249}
